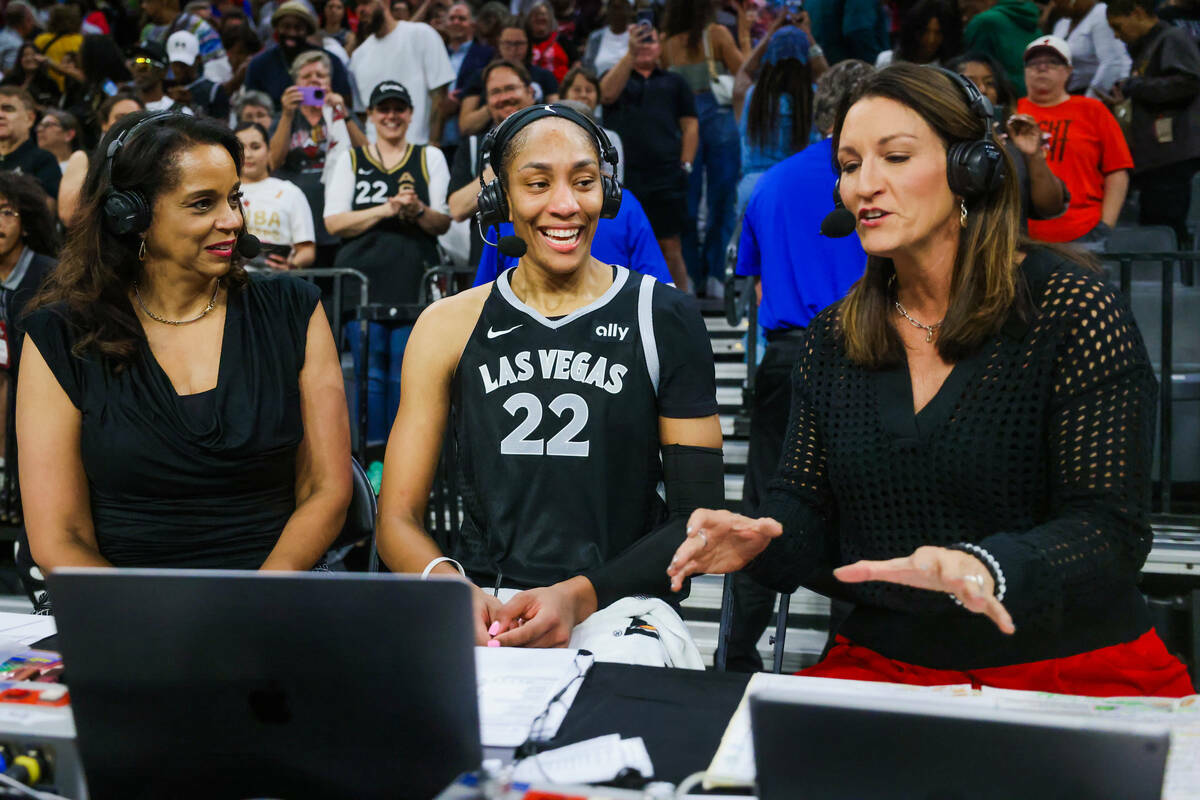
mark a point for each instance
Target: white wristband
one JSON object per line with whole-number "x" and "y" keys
{"x": 440, "y": 559}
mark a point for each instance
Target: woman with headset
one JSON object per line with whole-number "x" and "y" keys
{"x": 173, "y": 411}
{"x": 968, "y": 457}
{"x": 572, "y": 386}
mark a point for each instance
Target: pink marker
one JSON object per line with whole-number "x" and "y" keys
{"x": 492, "y": 631}
{"x": 493, "y": 643}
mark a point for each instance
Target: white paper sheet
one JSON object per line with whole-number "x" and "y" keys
{"x": 1182, "y": 778}
{"x": 733, "y": 764}
{"x": 592, "y": 761}
{"x": 516, "y": 684}
{"x": 26, "y": 628}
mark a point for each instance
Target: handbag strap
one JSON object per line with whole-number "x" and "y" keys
{"x": 708, "y": 57}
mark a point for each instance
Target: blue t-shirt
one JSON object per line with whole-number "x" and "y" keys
{"x": 802, "y": 271}
{"x": 626, "y": 240}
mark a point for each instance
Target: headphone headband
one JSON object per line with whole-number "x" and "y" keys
{"x": 117, "y": 144}
{"x": 492, "y": 203}
{"x": 497, "y": 140}
{"x": 978, "y": 103}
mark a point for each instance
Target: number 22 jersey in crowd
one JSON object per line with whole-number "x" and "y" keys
{"x": 555, "y": 424}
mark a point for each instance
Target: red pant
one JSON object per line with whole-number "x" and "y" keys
{"x": 1141, "y": 667}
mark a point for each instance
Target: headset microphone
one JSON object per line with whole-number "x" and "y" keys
{"x": 838, "y": 223}
{"x": 512, "y": 246}
{"x": 248, "y": 246}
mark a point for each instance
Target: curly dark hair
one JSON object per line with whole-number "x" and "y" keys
{"x": 97, "y": 268}
{"x": 38, "y": 226}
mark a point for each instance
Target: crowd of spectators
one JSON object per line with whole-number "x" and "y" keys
{"x": 701, "y": 99}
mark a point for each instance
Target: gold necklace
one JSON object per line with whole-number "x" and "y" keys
{"x": 212, "y": 303}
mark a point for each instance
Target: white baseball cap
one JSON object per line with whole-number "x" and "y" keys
{"x": 1052, "y": 44}
{"x": 184, "y": 47}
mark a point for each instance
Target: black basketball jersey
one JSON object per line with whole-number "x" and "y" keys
{"x": 393, "y": 253}
{"x": 556, "y": 428}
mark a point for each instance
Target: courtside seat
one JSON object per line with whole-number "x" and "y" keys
{"x": 1146, "y": 303}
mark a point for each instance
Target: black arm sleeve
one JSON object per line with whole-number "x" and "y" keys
{"x": 687, "y": 386}
{"x": 694, "y": 478}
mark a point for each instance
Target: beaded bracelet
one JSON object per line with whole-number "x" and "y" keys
{"x": 989, "y": 561}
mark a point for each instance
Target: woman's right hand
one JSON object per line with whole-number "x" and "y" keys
{"x": 487, "y": 611}
{"x": 291, "y": 99}
{"x": 719, "y": 542}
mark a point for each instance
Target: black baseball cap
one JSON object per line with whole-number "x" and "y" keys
{"x": 390, "y": 90}
{"x": 151, "y": 50}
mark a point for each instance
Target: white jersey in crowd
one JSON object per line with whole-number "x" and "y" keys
{"x": 277, "y": 212}
{"x": 347, "y": 191}
{"x": 413, "y": 54}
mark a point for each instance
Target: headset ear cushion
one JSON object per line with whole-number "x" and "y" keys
{"x": 974, "y": 169}
{"x": 126, "y": 213}
{"x": 612, "y": 197}
{"x": 493, "y": 209}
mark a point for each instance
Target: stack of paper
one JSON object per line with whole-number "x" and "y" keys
{"x": 593, "y": 761}
{"x": 516, "y": 685}
{"x": 26, "y": 628}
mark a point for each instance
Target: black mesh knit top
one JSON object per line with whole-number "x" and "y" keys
{"x": 1037, "y": 447}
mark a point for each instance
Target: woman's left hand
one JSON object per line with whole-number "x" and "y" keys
{"x": 941, "y": 570}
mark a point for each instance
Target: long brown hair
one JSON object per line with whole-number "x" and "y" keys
{"x": 983, "y": 288}
{"x": 90, "y": 286}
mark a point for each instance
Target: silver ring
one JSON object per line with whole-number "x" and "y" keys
{"x": 975, "y": 579}
{"x": 704, "y": 536}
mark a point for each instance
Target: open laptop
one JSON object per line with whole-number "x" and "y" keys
{"x": 222, "y": 684}
{"x": 820, "y": 746}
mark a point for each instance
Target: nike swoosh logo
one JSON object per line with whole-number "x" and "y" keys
{"x": 492, "y": 334}
{"x": 364, "y": 172}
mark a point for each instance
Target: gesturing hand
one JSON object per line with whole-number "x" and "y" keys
{"x": 718, "y": 542}
{"x": 941, "y": 570}
{"x": 1023, "y": 131}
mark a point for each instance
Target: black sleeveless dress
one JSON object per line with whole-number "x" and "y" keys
{"x": 205, "y": 480}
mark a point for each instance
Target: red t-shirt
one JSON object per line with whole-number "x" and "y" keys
{"x": 1086, "y": 143}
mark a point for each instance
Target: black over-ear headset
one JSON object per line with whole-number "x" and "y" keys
{"x": 493, "y": 204}
{"x": 974, "y": 168}
{"x": 127, "y": 211}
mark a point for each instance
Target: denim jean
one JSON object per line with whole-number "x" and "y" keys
{"x": 719, "y": 163}
{"x": 386, "y": 343}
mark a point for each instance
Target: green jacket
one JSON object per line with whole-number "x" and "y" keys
{"x": 1002, "y": 32}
